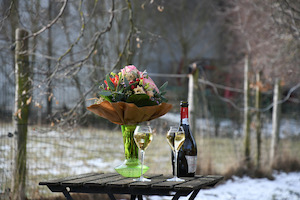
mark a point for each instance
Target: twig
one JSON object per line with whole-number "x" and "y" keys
{"x": 80, "y": 35}
{"x": 7, "y": 15}
{"x": 92, "y": 46}
{"x": 62, "y": 9}
{"x": 128, "y": 36}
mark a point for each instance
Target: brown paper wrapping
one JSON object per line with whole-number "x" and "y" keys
{"x": 128, "y": 113}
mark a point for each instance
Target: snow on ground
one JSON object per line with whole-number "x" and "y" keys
{"x": 284, "y": 187}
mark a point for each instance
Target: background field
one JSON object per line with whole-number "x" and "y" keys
{"x": 57, "y": 153}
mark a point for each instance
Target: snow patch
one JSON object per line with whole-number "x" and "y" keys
{"x": 285, "y": 186}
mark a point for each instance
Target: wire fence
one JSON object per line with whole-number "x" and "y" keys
{"x": 54, "y": 151}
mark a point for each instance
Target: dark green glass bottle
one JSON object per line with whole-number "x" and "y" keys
{"x": 187, "y": 155}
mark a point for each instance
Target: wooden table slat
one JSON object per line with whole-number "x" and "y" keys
{"x": 127, "y": 181}
{"x": 59, "y": 180}
{"x": 83, "y": 180}
{"x": 193, "y": 184}
{"x": 154, "y": 180}
{"x": 103, "y": 181}
{"x": 199, "y": 182}
{"x": 171, "y": 184}
{"x": 165, "y": 185}
{"x": 153, "y": 175}
{"x": 218, "y": 177}
{"x": 121, "y": 183}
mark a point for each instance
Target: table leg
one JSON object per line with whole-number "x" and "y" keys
{"x": 176, "y": 196}
{"x": 132, "y": 197}
{"x": 179, "y": 194}
{"x": 194, "y": 194}
{"x": 111, "y": 196}
{"x": 140, "y": 197}
{"x": 67, "y": 194}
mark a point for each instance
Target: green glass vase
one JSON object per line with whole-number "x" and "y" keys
{"x": 131, "y": 166}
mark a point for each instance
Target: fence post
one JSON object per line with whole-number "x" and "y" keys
{"x": 258, "y": 118}
{"x": 247, "y": 146}
{"x": 22, "y": 101}
{"x": 192, "y": 98}
{"x": 275, "y": 122}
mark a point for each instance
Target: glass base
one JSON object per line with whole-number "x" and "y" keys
{"x": 142, "y": 179}
{"x": 131, "y": 168}
{"x": 175, "y": 178}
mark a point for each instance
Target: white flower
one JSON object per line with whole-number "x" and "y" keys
{"x": 99, "y": 100}
{"x": 139, "y": 90}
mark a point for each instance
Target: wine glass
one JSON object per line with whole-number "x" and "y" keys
{"x": 175, "y": 138}
{"x": 142, "y": 137}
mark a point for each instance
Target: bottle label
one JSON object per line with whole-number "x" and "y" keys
{"x": 192, "y": 163}
{"x": 185, "y": 121}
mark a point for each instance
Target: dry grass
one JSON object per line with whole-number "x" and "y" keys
{"x": 243, "y": 169}
{"x": 286, "y": 163}
{"x": 225, "y": 156}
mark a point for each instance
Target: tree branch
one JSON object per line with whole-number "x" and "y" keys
{"x": 128, "y": 36}
{"x": 51, "y": 23}
{"x": 7, "y": 14}
{"x": 91, "y": 46}
{"x": 82, "y": 20}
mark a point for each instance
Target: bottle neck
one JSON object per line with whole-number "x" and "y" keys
{"x": 184, "y": 116}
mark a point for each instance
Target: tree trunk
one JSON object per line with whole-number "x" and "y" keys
{"x": 22, "y": 102}
{"x": 49, "y": 94}
{"x": 34, "y": 43}
{"x": 275, "y": 122}
{"x": 258, "y": 123}
{"x": 247, "y": 143}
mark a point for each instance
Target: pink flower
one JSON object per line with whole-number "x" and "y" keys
{"x": 130, "y": 72}
{"x": 151, "y": 84}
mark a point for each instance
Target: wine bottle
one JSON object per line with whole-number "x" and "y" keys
{"x": 187, "y": 155}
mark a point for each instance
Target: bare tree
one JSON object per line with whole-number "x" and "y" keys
{"x": 287, "y": 15}
{"x": 257, "y": 29}
{"x": 255, "y": 32}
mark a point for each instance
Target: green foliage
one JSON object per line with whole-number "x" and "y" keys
{"x": 141, "y": 100}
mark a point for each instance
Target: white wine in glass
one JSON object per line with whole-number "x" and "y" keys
{"x": 142, "y": 137}
{"x": 143, "y": 140}
{"x": 175, "y": 138}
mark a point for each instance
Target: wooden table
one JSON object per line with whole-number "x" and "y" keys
{"x": 113, "y": 183}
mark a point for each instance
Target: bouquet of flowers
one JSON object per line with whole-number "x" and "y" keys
{"x": 132, "y": 86}
{"x": 130, "y": 97}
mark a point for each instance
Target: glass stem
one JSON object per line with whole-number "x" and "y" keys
{"x": 142, "y": 165}
{"x": 175, "y": 167}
